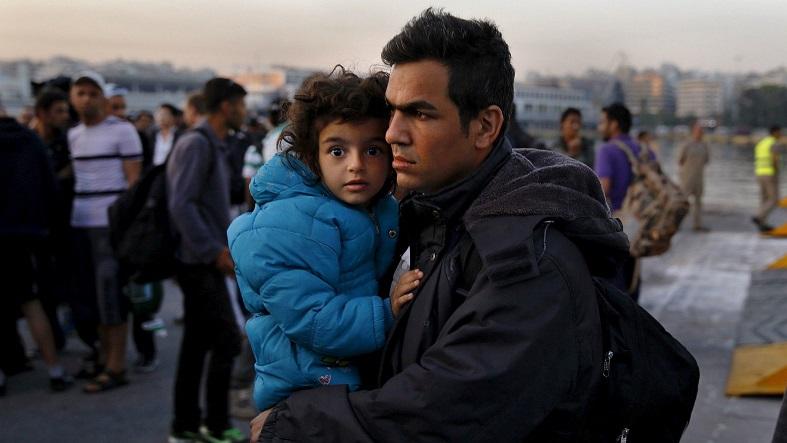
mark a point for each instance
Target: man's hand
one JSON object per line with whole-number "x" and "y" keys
{"x": 256, "y": 425}
{"x": 403, "y": 291}
{"x": 224, "y": 262}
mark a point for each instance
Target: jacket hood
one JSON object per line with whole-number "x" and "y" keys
{"x": 542, "y": 185}
{"x": 284, "y": 177}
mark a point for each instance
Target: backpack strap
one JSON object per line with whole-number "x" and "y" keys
{"x": 629, "y": 154}
{"x": 205, "y": 134}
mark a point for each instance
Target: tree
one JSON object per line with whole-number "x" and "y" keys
{"x": 764, "y": 106}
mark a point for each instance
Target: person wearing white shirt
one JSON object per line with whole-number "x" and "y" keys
{"x": 164, "y": 138}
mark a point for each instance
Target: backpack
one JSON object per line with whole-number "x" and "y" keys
{"x": 655, "y": 201}
{"x": 139, "y": 227}
{"x": 238, "y": 144}
{"x": 649, "y": 381}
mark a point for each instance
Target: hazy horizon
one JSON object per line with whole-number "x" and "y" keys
{"x": 723, "y": 36}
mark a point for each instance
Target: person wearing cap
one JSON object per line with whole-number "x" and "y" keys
{"x": 106, "y": 155}
{"x": 198, "y": 194}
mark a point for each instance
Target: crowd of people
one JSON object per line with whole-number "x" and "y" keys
{"x": 63, "y": 168}
{"x": 329, "y": 195}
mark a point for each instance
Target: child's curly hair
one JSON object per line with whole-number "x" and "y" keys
{"x": 325, "y": 98}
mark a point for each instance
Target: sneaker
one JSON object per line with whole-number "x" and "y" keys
{"x": 60, "y": 384}
{"x": 146, "y": 365}
{"x": 231, "y": 435}
{"x": 185, "y": 437}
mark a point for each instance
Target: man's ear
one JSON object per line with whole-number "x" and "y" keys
{"x": 488, "y": 125}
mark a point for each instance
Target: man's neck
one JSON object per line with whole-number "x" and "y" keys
{"x": 93, "y": 121}
{"x": 219, "y": 125}
{"x": 165, "y": 131}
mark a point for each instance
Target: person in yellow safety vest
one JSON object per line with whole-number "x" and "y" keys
{"x": 766, "y": 167}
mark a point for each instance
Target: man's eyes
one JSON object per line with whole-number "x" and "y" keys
{"x": 419, "y": 115}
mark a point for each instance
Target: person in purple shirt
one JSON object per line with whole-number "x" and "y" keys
{"x": 614, "y": 172}
{"x": 612, "y": 165}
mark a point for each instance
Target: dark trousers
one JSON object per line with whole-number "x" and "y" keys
{"x": 144, "y": 341}
{"x": 82, "y": 297}
{"x": 208, "y": 328}
{"x": 49, "y": 283}
{"x": 23, "y": 267}
{"x": 12, "y": 353}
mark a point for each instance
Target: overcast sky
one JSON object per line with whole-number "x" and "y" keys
{"x": 550, "y": 36}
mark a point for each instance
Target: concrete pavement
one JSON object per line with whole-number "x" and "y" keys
{"x": 696, "y": 290}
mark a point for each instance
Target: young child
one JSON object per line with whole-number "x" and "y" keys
{"x": 323, "y": 231}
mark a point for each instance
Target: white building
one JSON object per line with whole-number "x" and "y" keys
{"x": 540, "y": 107}
{"x": 700, "y": 98}
{"x": 15, "y": 89}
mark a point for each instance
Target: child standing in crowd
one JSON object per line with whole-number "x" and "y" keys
{"x": 323, "y": 231}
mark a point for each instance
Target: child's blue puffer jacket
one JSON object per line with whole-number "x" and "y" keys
{"x": 307, "y": 266}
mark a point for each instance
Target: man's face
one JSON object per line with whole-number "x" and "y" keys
{"x": 697, "y": 132}
{"x": 606, "y": 127}
{"x": 56, "y": 116}
{"x": 571, "y": 126}
{"x": 164, "y": 118}
{"x": 143, "y": 122}
{"x": 117, "y": 106}
{"x": 235, "y": 112}
{"x": 88, "y": 100}
{"x": 430, "y": 148}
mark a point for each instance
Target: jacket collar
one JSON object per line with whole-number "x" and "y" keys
{"x": 451, "y": 202}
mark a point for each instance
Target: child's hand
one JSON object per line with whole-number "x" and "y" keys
{"x": 403, "y": 291}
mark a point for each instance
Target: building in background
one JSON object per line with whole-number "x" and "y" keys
{"x": 268, "y": 83}
{"x": 700, "y": 98}
{"x": 149, "y": 84}
{"x": 539, "y": 107}
{"x": 649, "y": 92}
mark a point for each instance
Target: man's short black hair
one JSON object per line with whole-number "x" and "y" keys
{"x": 774, "y": 129}
{"x": 619, "y": 113}
{"x": 218, "y": 90}
{"x": 569, "y": 112}
{"x": 477, "y": 58}
{"x": 197, "y": 101}
{"x": 48, "y": 97}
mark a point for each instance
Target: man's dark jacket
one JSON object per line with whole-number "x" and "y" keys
{"x": 27, "y": 183}
{"x": 509, "y": 350}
